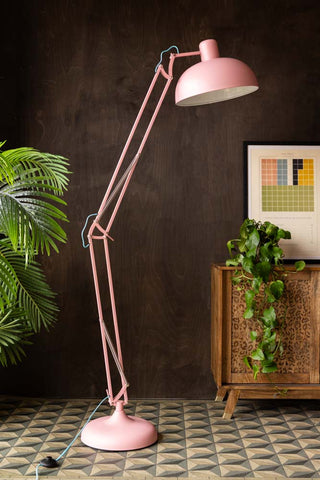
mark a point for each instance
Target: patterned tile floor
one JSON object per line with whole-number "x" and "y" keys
{"x": 268, "y": 440}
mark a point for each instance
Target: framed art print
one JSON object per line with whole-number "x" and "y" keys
{"x": 284, "y": 188}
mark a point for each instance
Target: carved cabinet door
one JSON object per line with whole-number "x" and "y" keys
{"x": 299, "y": 313}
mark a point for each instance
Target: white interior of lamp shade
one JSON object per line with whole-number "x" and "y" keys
{"x": 217, "y": 96}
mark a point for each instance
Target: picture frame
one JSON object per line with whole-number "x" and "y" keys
{"x": 283, "y": 187}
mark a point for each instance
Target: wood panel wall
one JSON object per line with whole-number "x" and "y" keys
{"x": 74, "y": 75}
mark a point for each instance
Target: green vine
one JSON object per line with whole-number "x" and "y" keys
{"x": 261, "y": 277}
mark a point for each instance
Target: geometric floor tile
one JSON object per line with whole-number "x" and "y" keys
{"x": 265, "y": 440}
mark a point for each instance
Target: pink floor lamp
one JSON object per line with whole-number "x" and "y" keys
{"x": 213, "y": 79}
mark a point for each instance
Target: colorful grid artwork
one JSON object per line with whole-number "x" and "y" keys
{"x": 287, "y": 184}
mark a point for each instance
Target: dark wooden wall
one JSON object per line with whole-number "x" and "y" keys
{"x": 74, "y": 73}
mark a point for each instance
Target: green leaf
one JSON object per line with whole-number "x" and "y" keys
{"x": 269, "y": 317}
{"x": 270, "y": 297}
{"x": 246, "y": 361}
{"x": 29, "y": 216}
{"x": 6, "y": 169}
{"x": 236, "y": 280}
{"x": 242, "y": 246}
{"x": 8, "y": 283}
{"x": 253, "y": 242}
{"x": 14, "y": 334}
{"x": 269, "y": 335}
{"x": 262, "y": 270}
{"x": 268, "y": 346}
{"x": 256, "y": 370}
{"x": 256, "y": 284}
{"x": 257, "y": 354}
{"x": 269, "y": 367}
{"x": 33, "y": 294}
{"x": 235, "y": 261}
{"x": 283, "y": 234}
{"x": 277, "y": 254}
{"x": 269, "y": 350}
{"x": 266, "y": 252}
{"x": 248, "y": 313}
{"x": 277, "y": 288}
{"x": 29, "y": 163}
{"x": 249, "y": 297}
{"x": 270, "y": 229}
{"x": 247, "y": 264}
{"x": 31, "y": 186}
{"x": 246, "y": 228}
{"x": 300, "y": 265}
{"x": 253, "y": 335}
{"x": 230, "y": 246}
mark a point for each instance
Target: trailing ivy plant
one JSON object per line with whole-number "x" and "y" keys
{"x": 261, "y": 277}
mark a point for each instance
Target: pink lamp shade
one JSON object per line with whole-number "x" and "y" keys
{"x": 214, "y": 79}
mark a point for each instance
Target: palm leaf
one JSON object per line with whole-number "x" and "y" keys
{"x": 7, "y": 172}
{"x": 8, "y": 282}
{"x": 29, "y": 163}
{"x": 31, "y": 184}
{"x": 29, "y": 221}
{"x": 28, "y": 214}
{"x": 13, "y": 335}
{"x": 34, "y": 296}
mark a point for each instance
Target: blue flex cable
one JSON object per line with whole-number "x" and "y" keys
{"x": 75, "y": 438}
{"x": 85, "y": 226}
{"x": 164, "y": 51}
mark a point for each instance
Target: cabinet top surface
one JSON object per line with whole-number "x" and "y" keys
{"x": 289, "y": 266}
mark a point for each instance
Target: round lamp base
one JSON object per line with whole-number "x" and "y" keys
{"x": 119, "y": 432}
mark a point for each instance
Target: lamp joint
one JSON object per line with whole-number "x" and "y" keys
{"x": 106, "y": 235}
{"x": 164, "y": 73}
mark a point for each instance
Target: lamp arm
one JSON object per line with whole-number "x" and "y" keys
{"x": 103, "y": 232}
{"x": 110, "y": 194}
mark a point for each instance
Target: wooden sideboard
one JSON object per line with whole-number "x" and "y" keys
{"x": 299, "y": 366}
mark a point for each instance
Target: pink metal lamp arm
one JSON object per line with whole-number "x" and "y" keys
{"x": 103, "y": 233}
{"x": 108, "y": 197}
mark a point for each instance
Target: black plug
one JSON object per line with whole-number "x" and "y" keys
{"x": 49, "y": 462}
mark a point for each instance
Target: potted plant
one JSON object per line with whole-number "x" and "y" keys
{"x": 31, "y": 186}
{"x": 261, "y": 277}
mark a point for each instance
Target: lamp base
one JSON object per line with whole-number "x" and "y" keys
{"x": 119, "y": 432}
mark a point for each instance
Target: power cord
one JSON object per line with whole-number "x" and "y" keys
{"x": 161, "y": 55}
{"x": 84, "y": 244}
{"x": 50, "y": 462}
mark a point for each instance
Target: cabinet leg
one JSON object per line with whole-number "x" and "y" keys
{"x": 221, "y": 393}
{"x": 231, "y": 404}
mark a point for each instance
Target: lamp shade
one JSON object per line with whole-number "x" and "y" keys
{"x": 214, "y": 79}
